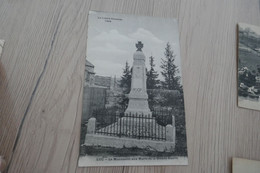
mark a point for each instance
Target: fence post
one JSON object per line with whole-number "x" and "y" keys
{"x": 173, "y": 120}
{"x": 91, "y": 126}
{"x": 120, "y": 126}
{"x": 174, "y": 127}
{"x": 170, "y": 133}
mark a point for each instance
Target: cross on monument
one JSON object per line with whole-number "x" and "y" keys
{"x": 139, "y": 46}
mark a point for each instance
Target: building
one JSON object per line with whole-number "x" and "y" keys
{"x": 89, "y": 73}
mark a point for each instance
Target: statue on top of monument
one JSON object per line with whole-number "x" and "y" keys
{"x": 139, "y": 46}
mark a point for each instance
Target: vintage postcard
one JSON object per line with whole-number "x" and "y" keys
{"x": 133, "y": 104}
{"x": 240, "y": 165}
{"x": 248, "y": 66}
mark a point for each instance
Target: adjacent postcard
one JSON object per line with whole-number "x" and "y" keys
{"x": 248, "y": 66}
{"x": 240, "y": 165}
{"x": 133, "y": 104}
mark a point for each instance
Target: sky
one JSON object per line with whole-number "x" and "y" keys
{"x": 112, "y": 38}
{"x": 254, "y": 28}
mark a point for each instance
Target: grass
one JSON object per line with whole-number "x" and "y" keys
{"x": 123, "y": 152}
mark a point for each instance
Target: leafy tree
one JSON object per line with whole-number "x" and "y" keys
{"x": 152, "y": 82}
{"x": 152, "y": 75}
{"x": 125, "y": 84}
{"x": 258, "y": 68}
{"x": 248, "y": 78}
{"x": 125, "y": 81}
{"x": 170, "y": 70}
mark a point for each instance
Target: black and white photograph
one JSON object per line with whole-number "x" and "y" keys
{"x": 249, "y": 66}
{"x": 133, "y": 101}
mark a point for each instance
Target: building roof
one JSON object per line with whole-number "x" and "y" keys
{"x": 89, "y": 67}
{"x": 102, "y": 81}
{"x": 89, "y": 64}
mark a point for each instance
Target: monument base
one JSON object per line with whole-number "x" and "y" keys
{"x": 134, "y": 112}
{"x": 138, "y": 107}
{"x": 130, "y": 121}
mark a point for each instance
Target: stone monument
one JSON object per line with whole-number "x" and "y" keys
{"x": 138, "y": 98}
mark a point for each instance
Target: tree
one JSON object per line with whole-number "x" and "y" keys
{"x": 152, "y": 82}
{"x": 170, "y": 70}
{"x": 125, "y": 84}
{"x": 258, "y": 68}
{"x": 125, "y": 81}
{"x": 152, "y": 75}
{"x": 246, "y": 77}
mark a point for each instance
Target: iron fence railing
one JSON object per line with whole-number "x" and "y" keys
{"x": 138, "y": 126}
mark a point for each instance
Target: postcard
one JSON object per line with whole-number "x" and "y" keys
{"x": 133, "y": 104}
{"x": 248, "y": 66}
{"x": 244, "y": 165}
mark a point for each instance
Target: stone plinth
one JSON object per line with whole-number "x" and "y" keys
{"x": 91, "y": 126}
{"x": 170, "y": 133}
{"x": 130, "y": 121}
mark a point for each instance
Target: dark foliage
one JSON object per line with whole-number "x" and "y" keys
{"x": 181, "y": 140}
{"x": 165, "y": 117}
{"x": 152, "y": 81}
{"x": 152, "y": 75}
{"x": 125, "y": 84}
{"x": 170, "y": 70}
{"x": 247, "y": 78}
{"x": 125, "y": 81}
{"x": 107, "y": 116}
{"x": 83, "y": 133}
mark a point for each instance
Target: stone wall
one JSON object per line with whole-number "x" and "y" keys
{"x": 94, "y": 97}
{"x": 115, "y": 142}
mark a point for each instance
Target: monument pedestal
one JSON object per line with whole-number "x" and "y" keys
{"x": 139, "y": 107}
{"x": 138, "y": 103}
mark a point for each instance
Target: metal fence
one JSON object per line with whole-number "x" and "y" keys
{"x": 138, "y": 126}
